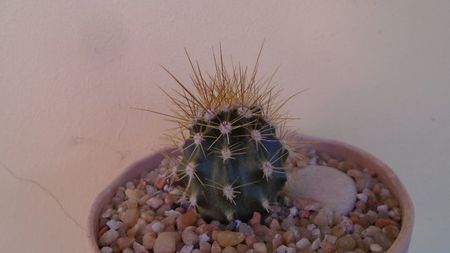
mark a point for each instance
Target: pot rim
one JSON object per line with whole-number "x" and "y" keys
{"x": 336, "y": 148}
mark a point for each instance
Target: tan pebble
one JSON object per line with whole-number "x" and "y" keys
{"x": 196, "y": 251}
{"x": 338, "y": 230}
{"x": 148, "y": 240}
{"x": 189, "y": 237}
{"x": 127, "y": 250}
{"x": 138, "y": 248}
{"x": 131, "y": 204}
{"x": 242, "y": 248}
{"x": 229, "y": 238}
{"x": 187, "y": 219}
{"x": 165, "y": 242}
{"x": 275, "y": 225}
{"x": 324, "y": 156}
{"x": 134, "y": 194}
{"x": 143, "y": 199}
{"x": 250, "y": 240}
{"x": 288, "y": 236}
{"x": 346, "y": 243}
{"x": 129, "y": 217}
{"x": 215, "y": 247}
{"x": 124, "y": 242}
{"x": 214, "y": 234}
{"x": 346, "y": 165}
{"x": 333, "y": 163}
{"x": 229, "y": 249}
{"x": 391, "y": 231}
{"x": 260, "y": 247}
{"x": 205, "y": 247}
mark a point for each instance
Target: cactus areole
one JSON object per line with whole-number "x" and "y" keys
{"x": 232, "y": 147}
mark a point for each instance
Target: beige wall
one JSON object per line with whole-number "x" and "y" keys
{"x": 378, "y": 74}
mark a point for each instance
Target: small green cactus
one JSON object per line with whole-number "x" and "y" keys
{"x": 233, "y": 150}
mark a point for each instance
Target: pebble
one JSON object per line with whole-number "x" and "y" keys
{"x": 187, "y": 219}
{"x": 229, "y": 249}
{"x": 187, "y": 249}
{"x": 383, "y": 222}
{"x": 127, "y": 250}
{"x": 113, "y": 224}
{"x": 242, "y": 248}
{"x": 189, "y": 237}
{"x": 329, "y": 186}
{"x": 229, "y": 238}
{"x": 139, "y": 248}
{"x": 157, "y": 226}
{"x": 346, "y": 243}
{"x": 134, "y": 194}
{"x": 155, "y": 202}
{"x": 315, "y": 245}
{"x": 106, "y": 250}
{"x": 205, "y": 247}
{"x": 324, "y": 218}
{"x": 148, "y": 240}
{"x": 124, "y": 242}
{"x": 129, "y": 217}
{"x": 165, "y": 243}
{"x": 391, "y": 231}
{"x": 260, "y": 247}
{"x": 108, "y": 237}
{"x": 302, "y": 243}
{"x": 215, "y": 247}
{"x": 375, "y": 248}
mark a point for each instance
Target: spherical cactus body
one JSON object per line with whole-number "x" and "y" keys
{"x": 232, "y": 164}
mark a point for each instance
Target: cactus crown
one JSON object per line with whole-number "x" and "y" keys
{"x": 232, "y": 147}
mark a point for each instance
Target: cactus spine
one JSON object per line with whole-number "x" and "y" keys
{"x": 232, "y": 151}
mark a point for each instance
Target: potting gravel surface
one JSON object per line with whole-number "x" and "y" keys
{"x": 149, "y": 214}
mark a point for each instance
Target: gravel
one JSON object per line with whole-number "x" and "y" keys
{"x": 149, "y": 214}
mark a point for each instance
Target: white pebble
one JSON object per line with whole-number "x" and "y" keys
{"x": 315, "y": 232}
{"x": 362, "y": 196}
{"x": 293, "y": 211}
{"x": 203, "y": 238}
{"x": 106, "y": 250}
{"x": 375, "y": 248}
{"x": 138, "y": 248}
{"x": 330, "y": 238}
{"x": 383, "y": 209}
{"x": 157, "y": 226}
{"x": 172, "y": 213}
{"x": 302, "y": 243}
{"x": 113, "y": 224}
{"x": 315, "y": 244}
{"x": 187, "y": 249}
{"x": 155, "y": 202}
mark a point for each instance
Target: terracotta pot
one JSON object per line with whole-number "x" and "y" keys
{"x": 334, "y": 148}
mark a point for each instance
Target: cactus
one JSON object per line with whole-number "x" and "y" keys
{"x": 232, "y": 148}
